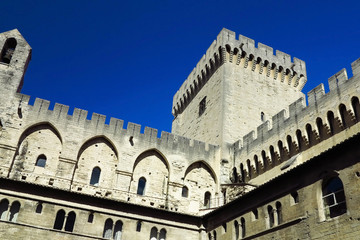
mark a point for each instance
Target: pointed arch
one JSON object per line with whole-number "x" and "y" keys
{"x": 356, "y": 107}
{"x": 95, "y": 140}
{"x": 201, "y": 164}
{"x": 152, "y": 152}
{"x": 8, "y": 50}
{"x": 38, "y": 127}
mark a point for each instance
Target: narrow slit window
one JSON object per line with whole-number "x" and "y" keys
{"x": 95, "y": 176}
{"x": 141, "y": 186}
{"x": 202, "y": 106}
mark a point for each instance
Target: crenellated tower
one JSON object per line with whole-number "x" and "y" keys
{"x": 234, "y": 88}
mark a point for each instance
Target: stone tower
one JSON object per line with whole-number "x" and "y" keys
{"x": 234, "y": 88}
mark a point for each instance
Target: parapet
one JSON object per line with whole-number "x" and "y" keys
{"x": 289, "y": 118}
{"x": 60, "y": 117}
{"x": 243, "y": 47}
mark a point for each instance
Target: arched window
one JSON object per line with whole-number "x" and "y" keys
{"x": 39, "y": 208}
{"x": 271, "y": 216}
{"x": 215, "y": 235}
{"x": 185, "y": 192}
{"x": 309, "y": 133}
{"x": 41, "y": 161}
{"x": 242, "y": 173}
{"x": 162, "y": 234}
{"x": 8, "y": 50}
{"x": 118, "y": 230}
{"x": 95, "y": 176}
{"x": 331, "y": 120}
{"x": 320, "y": 126}
{"x": 334, "y": 197}
{"x": 141, "y": 186}
{"x": 138, "y": 226}
{"x": 236, "y": 229}
{"x": 262, "y": 116}
{"x": 279, "y": 212}
{"x": 356, "y": 107}
{"x": 249, "y": 168}
{"x": 90, "y": 218}
{"x": 70, "y": 221}
{"x": 4, "y": 206}
{"x": 263, "y": 155}
{"x": 294, "y": 197}
{"x": 299, "y": 139}
{"x": 107, "y": 234}
{"x": 343, "y": 115}
{"x": 14, "y": 211}
{"x": 255, "y": 214}
{"x": 153, "y": 233}
{"x": 210, "y": 237}
{"x": 243, "y": 229}
{"x": 290, "y": 144}
{"x": 59, "y": 220}
{"x": 256, "y": 161}
{"x": 207, "y": 197}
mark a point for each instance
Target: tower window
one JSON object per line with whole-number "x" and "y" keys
{"x": 41, "y": 161}
{"x": 95, "y": 176}
{"x": 8, "y": 50}
{"x": 141, "y": 186}
{"x": 334, "y": 198}
{"x": 202, "y": 106}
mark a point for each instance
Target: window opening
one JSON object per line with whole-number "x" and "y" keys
{"x": 39, "y": 208}
{"x": 207, "y": 197}
{"x": 95, "y": 176}
{"x": 141, "y": 186}
{"x": 14, "y": 211}
{"x": 255, "y": 214}
{"x": 262, "y": 116}
{"x": 59, "y": 220}
{"x": 279, "y": 212}
{"x": 162, "y": 234}
{"x": 334, "y": 198}
{"x": 107, "y": 234}
{"x": 8, "y": 50}
{"x": 271, "y": 216}
{"x": 202, "y": 106}
{"x": 118, "y": 230}
{"x": 236, "y": 229}
{"x": 70, "y": 221}
{"x": 91, "y": 218}
{"x": 295, "y": 197}
{"x": 243, "y": 230}
{"x": 4, "y": 205}
{"x": 153, "y": 233}
{"x": 41, "y": 161}
{"x": 138, "y": 226}
{"x": 185, "y": 192}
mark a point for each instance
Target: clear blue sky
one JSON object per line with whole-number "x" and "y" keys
{"x": 126, "y": 59}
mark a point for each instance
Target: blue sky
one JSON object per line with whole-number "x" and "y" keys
{"x": 126, "y": 59}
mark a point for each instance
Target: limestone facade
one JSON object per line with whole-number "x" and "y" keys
{"x": 247, "y": 157}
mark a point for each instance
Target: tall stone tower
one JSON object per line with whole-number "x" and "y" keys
{"x": 234, "y": 88}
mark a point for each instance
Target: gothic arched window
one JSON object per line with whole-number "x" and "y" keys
{"x": 334, "y": 197}
{"x": 141, "y": 186}
{"x": 95, "y": 176}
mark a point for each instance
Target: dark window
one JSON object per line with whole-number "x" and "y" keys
{"x": 162, "y": 234}
{"x": 118, "y": 230}
{"x": 107, "y": 234}
{"x": 295, "y": 197}
{"x": 279, "y": 212}
{"x": 236, "y": 229}
{"x": 8, "y": 50}
{"x": 138, "y": 226}
{"x": 153, "y": 233}
{"x": 39, "y": 208}
{"x": 141, "y": 186}
{"x": 255, "y": 214}
{"x": 271, "y": 216}
{"x": 334, "y": 198}
{"x": 207, "y": 197}
{"x": 41, "y": 161}
{"x": 243, "y": 229}
{"x": 262, "y": 116}
{"x": 90, "y": 218}
{"x": 4, "y": 205}
{"x": 70, "y": 221}
{"x": 59, "y": 220}
{"x": 202, "y": 106}
{"x": 95, "y": 176}
{"x": 14, "y": 211}
{"x": 185, "y": 192}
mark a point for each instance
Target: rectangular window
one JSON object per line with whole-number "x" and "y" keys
{"x": 202, "y": 106}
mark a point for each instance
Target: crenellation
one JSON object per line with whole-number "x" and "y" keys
{"x": 115, "y": 126}
{"x": 355, "y": 66}
{"x": 133, "y": 129}
{"x": 337, "y": 79}
{"x": 79, "y": 116}
{"x": 96, "y": 124}
{"x": 60, "y": 112}
{"x": 315, "y": 94}
{"x": 265, "y": 50}
{"x": 150, "y": 134}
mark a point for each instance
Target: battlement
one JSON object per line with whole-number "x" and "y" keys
{"x": 60, "y": 116}
{"x": 227, "y": 48}
{"x": 298, "y": 115}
